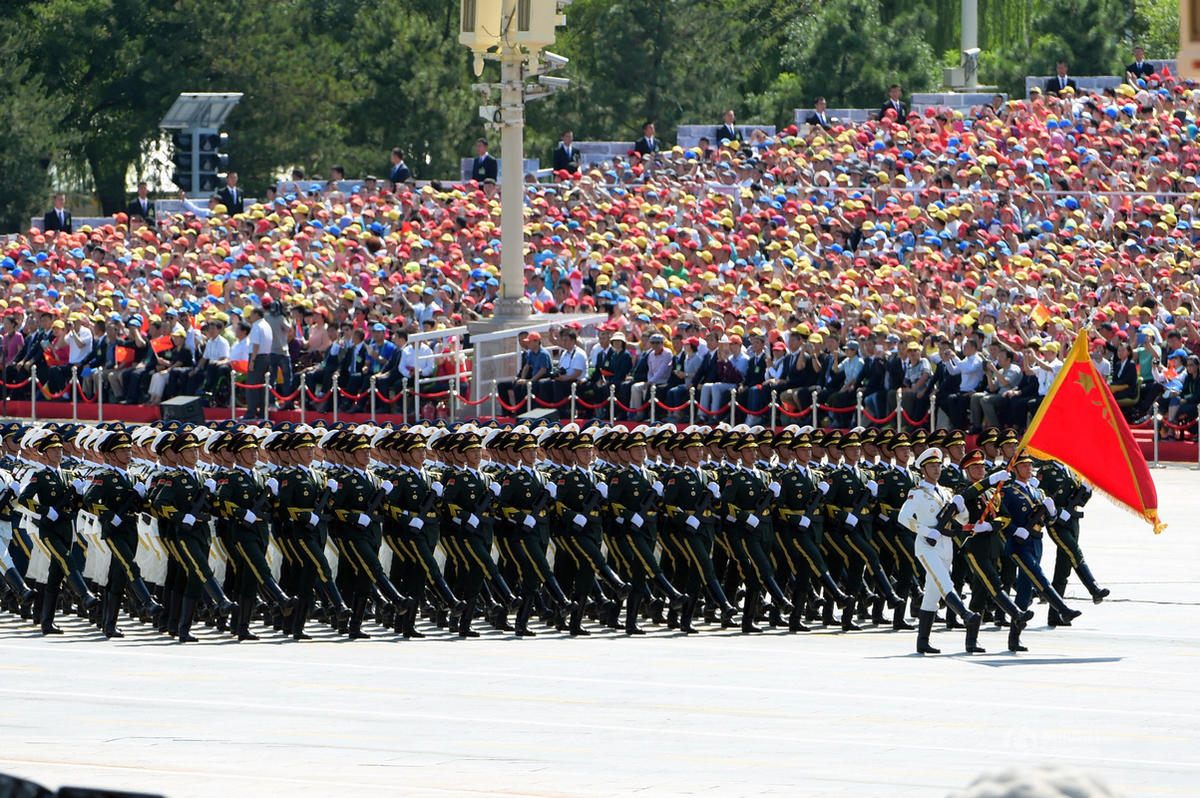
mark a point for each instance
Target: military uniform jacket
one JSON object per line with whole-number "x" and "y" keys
{"x": 683, "y": 495}
{"x": 355, "y": 495}
{"x": 464, "y": 497}
{"x": 48, "y": 489}
{"x": 521, "y": 490}
{"x": 894, "y": 486}
{"x": 1021, "y": 503}
{"x": 300, "y": 491}
{"x": 1060, "y": 484}
{"x": 576, "y": 489}
{"x": 745, "y": 491}
{"x": 988, "y": 545}
{"x": 920, "y": 510}
{"x": 798, "y": 492}
{"x": 632, "y": 493}
{"x": 110, "y": 491}
{"x": 238, "y": 490}
{"x": 173, "y": 497}
{"x": 415, "y": 496}
{"x": 847, "y": 487}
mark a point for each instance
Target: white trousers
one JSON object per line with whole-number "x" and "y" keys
{"x": 936, "y": 560}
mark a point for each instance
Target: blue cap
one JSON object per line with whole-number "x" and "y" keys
{"x": 378, "y": 327}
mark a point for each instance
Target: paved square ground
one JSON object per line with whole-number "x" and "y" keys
{"x": 823, "y": 713}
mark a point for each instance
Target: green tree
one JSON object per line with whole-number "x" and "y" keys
{"x": 29, "y": 139}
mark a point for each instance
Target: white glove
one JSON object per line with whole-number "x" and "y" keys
{"x": 529, "y": 521}
{"x": 333, "y": 485}
{"x": 273, "y": 486}
{"x": 1048, "y": 503}
{"x": 116, "y": 520}
{"x": 189, "y": 520}
{"x": 437, "y": 488}
{"x": 620, "y": 520}
{"x": 775, "y": 488}
{"x": 658, "y": 487}
{"x": 714, "y": 490}
{"x": 494, "y": 487}
{"x": 804, "y": 522}
{"x": 1063, "y": 515}
{"x": 998, "y": 477}
{"x": 210, "y": 484}
{"x": 1022, "y": 533}
{"x": 637, "y": 520}
{"x": 140, "y": 489}
{"x": 931, "y": 533}
{"x": 364, "y": 519}
{"x": 52, "y": 514}
{"x": 579, "y": 520}
{"x": 552, "y": 489}
{"x": 473, "y": 521}
{"x": 249, "y": 517}
{"x": 78, "y": 485}
{"x": 730, "y": 518}
{"x": 693, "y": 522}
{"x": 851, "y": 520}
{"x": 959, "y": 504}
{"x": 983, "y": 526}
{"x": 387, "y": 486}
{"x": 416, "y": 523}
{"x": 602, "y": 487}
{"x": 823, "y": 487}
{"x": 873, "y": 487}
{"x": 882, "y": 516}
{"x": 313, "y": 520}
{"x": 752, "y": 521}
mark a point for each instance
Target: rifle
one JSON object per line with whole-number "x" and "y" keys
{"x": 1074, "y": 502}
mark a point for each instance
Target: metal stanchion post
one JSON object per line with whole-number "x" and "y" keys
{"x": 267, "y": 398}
{"x": 612, "y": 403}
{"x": 573, "y": 384}
{"x": 528, "y": 398}
{"x": 653, "y": 401}
{"x": 1157, "y": 417}
{"x": 692, "y": 405}
{"x": 774, "y": 407}
{"x": 858, "y": 409}
{"x": 899, "y": 410}
{"x": 932, "y": 411}
{"x": 733, "y": 406}
{"x": 74, "y": 393}
{"x": 303, "y": 397}
{"x": 334, "y": 396}
{"x": 100, "y": 383}
{"x": 373, "y": 392}
{"x": 33, "y": 383}
{"x": 232, "y": 397}
{"x": 812, "y": 416}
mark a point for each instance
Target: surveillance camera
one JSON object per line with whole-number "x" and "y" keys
{"x": 490, "y": 113}
{"x": 971, "y": 52}
{"x": 554, "y": 61}
{"x": 554, "y": 83}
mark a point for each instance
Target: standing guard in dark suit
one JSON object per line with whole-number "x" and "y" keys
{"x": 1140, "y": 68}
{"x": 566, "y": 155}
{"x": 399, "y": 172}
{"x": 231, "y": 196}
{"x": 485, "y": 169}
{"x": 727, "y": 131}
{"x": 58, "y": 218}
{"x": 894, "y": 106}
{"x": 141, "y": 206}
{"x": 1058, "y": 84}
{"x": 647, "y": 144}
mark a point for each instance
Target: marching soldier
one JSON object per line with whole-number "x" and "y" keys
{"x": 181, "y": 500}
{"x": 1069, "y": 495}
{"x": 895, "y": 482}
{"x": 920, "y": 514}
{"x": 116, "y": 500}
{"x": 1027, "y": 511}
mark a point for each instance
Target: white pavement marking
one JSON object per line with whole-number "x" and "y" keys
{"x": 825, "y": 714}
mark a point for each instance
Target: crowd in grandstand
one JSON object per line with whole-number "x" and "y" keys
{"x": 937, "y": 251}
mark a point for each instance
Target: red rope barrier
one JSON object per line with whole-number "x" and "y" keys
{"x": 85, "y": 398}
{"x": 476, "y": 402}
{"x": 722, "y": 411}
{"x": 544, "y": 403}
{"x": 919, "y": 423}
{"x": 250, "y": 387}
{"x": 432, "y": 395}
{"x": 885, "y": 420}
{"x": 663, "y": 406}
{"x": 510, "y": 408}
{"x": 283, "y": 398}
{"x": 353, "y": 397}
{"x": 1169, "y": 425}
{"x": 793, "y": 414}
{"x": 46, "y": 392}
{"x": 388, "y": 400}
{"x": 312, "y": 397}
{"x": 589, "y": 405}
{"x": 628, "y": 409}
{"x": 18, "y": 385}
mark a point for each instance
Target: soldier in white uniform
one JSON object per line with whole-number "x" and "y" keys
{"x": 934, "y": 549}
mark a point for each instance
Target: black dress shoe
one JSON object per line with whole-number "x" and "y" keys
{"x": 51, "y": 630}
{"x": 464, "y": 633}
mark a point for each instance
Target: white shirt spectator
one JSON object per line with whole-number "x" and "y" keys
{"x": 240, "y": 351}
{"x": 969, "y": 370}
{"x": 80, "y": 343}
{"x": 573, "y": 360}
{"x": 216, "y": 349}
{"x": 260, "y": 337}
{"x": 411, "y": 355}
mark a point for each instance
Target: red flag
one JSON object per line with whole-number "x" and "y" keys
{"x": 51, "y": 358}
{"x": 123, "y": 355}
{"x": 240, "y": 366}
{"x": 1040, "y": 314}
{"x": 1080, "y": 425}
{"x": 160, "y": 344}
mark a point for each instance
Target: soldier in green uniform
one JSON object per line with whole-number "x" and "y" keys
{"x": 688, "y": 498}
{"x": 243, "y": 501}
{"x": 117, "y": 500}
{"x": 358, "y": 496}
{"x": 1069, "y": 495}
{"x": 895, "y": 480}
{"x": 182, "y": 503}
{"x": 983, "y": 548}
{"x": 55, "y": 502}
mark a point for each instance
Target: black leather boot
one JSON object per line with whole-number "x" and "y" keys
{"x": 1089, "y": 581}
{"x": 22, "y": 591}
{"x": 333, "y": 601}
{"x": 972, "y": 641}
{"x": 686, "y": 613}
{"x": 848, "y": 609}
{"x": 898, "y": 618}
{"x": 632, "y": 605}
{"x": 147, "y": 607}
{"x": 244, "y": 612}
{"x": 187, "y": 611}
{"x": 357, "y": 613}
{"x": 112, "y": 608}
{"x": 1008, "y": 607}
{"x": 576, "y": 626}
{"x": 675, "y": 599}
{"x": 216, "y": 595}
{"x": 796, "y": 620}
{"x": 832, "y": 590}
{"x": 79, "y": 587}
{"x": 877, "y": 608}
{"x": 777, "y": 595}
{"x": 954, "y": 602}
{"x": 886, "y": 590}
{"x": 1014, "y": 636}
{"x": 924, "y": 627}
{"x": 1065, "y": 613}
{"x": 610, "y": 578}
{"x": 284, "y": 604}
{"x": 48, "y": 609}
{"x": 524, "y": 612}
{"x": 716, "y": 594}
{"x": 299, "y": 617}
{"x": 750, "y": 613}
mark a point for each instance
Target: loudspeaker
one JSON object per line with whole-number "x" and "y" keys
{"x": 547, "y": 414}
{"x": 183, "y": 408}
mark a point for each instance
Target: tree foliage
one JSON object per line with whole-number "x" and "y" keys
{"x": 342, "y": 81}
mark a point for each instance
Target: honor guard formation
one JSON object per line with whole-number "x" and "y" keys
{"x": 382, "y": 531}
